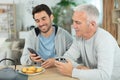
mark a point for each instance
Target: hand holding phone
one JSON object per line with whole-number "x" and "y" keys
{"x": 32, "y": 51}
{"x": 61, "y": 60}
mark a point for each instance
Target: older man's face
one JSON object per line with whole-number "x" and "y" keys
{"x": 80, "y": 23}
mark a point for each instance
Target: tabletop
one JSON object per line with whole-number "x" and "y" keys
{"x": 48, "y": 74}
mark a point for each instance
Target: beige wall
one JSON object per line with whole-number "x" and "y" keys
{"x": 118, "y": 34}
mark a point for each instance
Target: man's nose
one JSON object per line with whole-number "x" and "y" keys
{"x": 74, "y": 26}
{"x": 40, "y": 23}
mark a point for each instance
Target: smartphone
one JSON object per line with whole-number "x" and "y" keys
{"x": 32, "y": 51}
{"x": 61, "y": 60}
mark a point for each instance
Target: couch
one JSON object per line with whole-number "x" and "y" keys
{"x": 11, "y": 49}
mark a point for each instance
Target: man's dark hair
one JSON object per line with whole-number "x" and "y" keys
{"x": 41, "y": 7}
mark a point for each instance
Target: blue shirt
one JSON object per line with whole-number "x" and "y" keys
{"x": 47, "y": 46}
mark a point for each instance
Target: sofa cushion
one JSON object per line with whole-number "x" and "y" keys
{"x": 15, "y": 49}
{"x": 17, "y": 44}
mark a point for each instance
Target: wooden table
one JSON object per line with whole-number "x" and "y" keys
{"x": 49, "y": 74}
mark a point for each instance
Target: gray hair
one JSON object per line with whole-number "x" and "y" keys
{"x": 91, "y": 11}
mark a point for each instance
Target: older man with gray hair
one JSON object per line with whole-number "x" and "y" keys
{"x": 95, "y": 54}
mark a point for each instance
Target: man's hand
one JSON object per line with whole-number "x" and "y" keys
{"x": 64, "y": 68}
{"x": 48, "y": 63}
{"x": 82, "y": 67}
{"x": 36, "y": 58}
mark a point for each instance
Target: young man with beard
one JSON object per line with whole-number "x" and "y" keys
{"x": 49, "y": 41}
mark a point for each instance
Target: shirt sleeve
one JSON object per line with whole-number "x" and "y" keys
{"x": 73, "y": 54}
{"x": 25, "y": 58}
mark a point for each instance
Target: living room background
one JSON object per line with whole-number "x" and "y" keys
{"x": 23, "y": 11}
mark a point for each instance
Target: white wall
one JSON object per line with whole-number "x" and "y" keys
{"x": 24, "y": 17}
{"x": 27, "y": 19}
{"x": 6, "y": 1}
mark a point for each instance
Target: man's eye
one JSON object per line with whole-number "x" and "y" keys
{"x": 77, "y": 22}
{"x": 43, "y": 19}
{"x": 37, "y": 21}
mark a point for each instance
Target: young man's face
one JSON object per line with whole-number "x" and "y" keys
{"x": 80, "y": 23}
{"x": 43, "y": 21}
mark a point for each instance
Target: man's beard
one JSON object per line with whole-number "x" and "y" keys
{"x": 46, "y": 30}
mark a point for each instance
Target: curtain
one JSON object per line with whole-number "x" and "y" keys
{"x": 108, "y": 6}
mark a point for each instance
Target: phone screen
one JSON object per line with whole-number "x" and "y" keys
{"x": 61, "y": 60}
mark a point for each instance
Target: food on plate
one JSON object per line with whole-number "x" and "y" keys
{"x": 24, "y": 69}
{"x": 31, "y": 70}
{"x": 39, "y": 69}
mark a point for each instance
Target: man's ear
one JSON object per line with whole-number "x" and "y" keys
{"x": 92, "y": 24}
{"x": 51, "y": 17}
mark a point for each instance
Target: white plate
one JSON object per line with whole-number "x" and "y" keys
{"x": 33, "y": 73}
